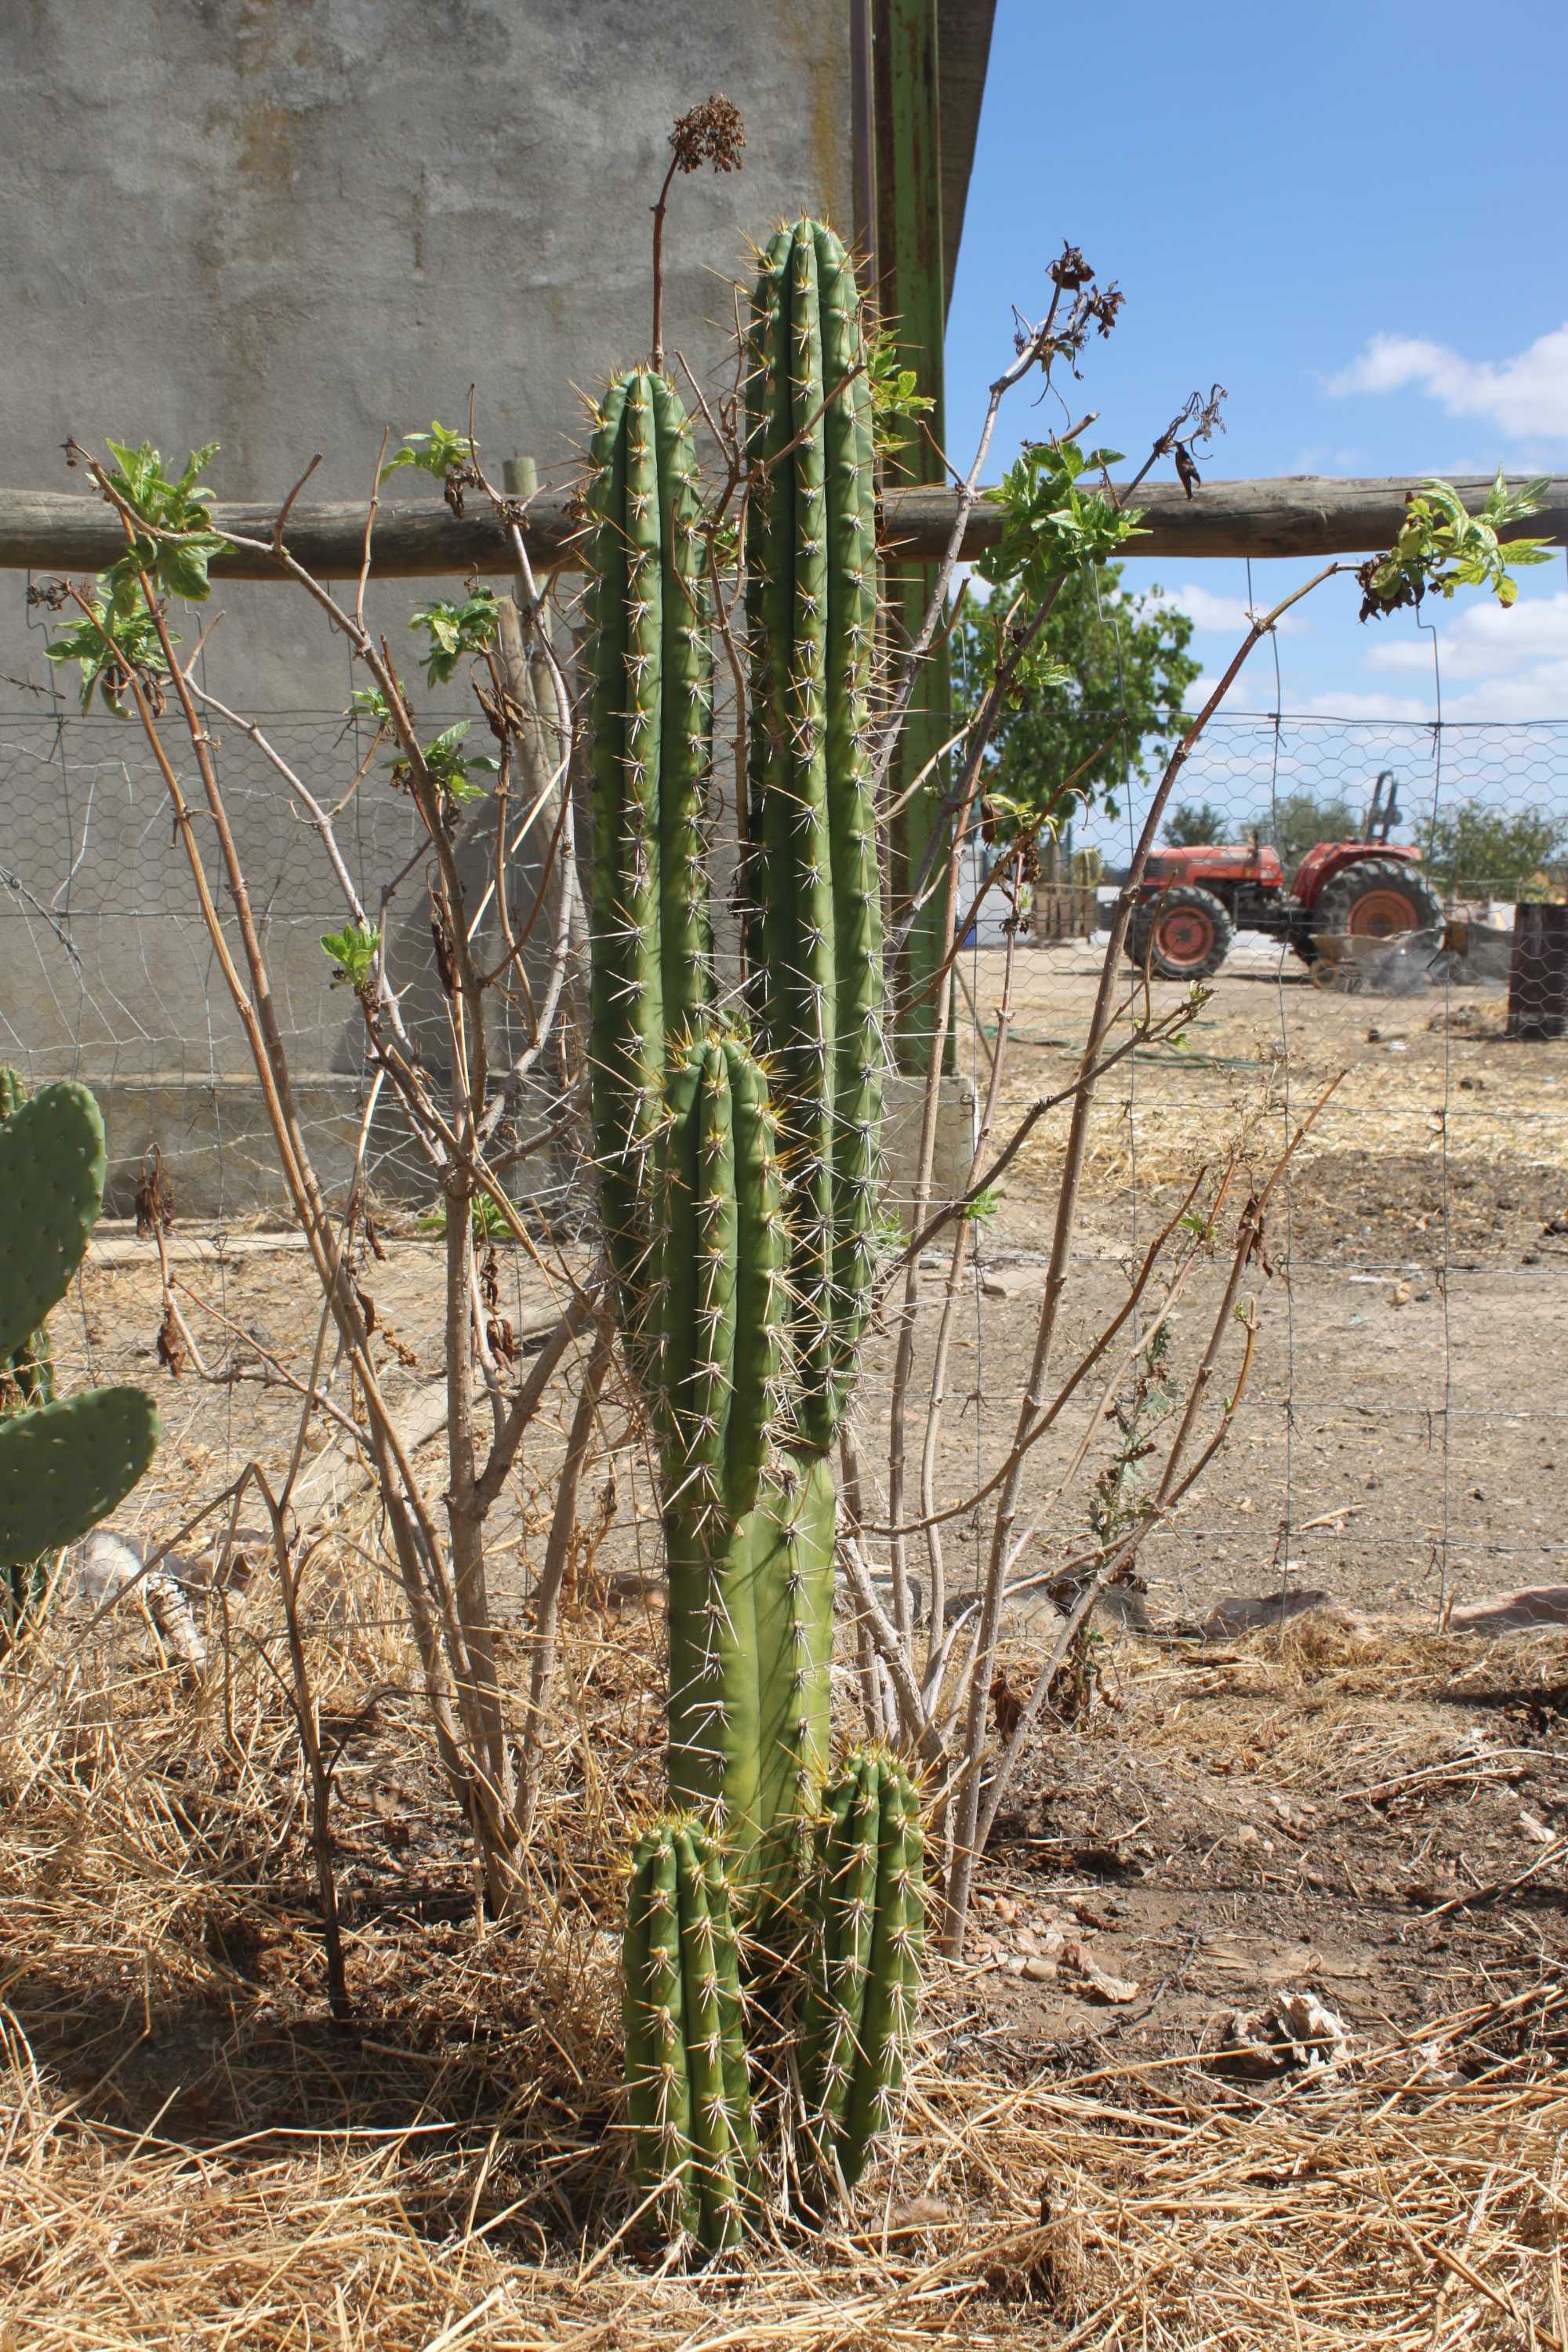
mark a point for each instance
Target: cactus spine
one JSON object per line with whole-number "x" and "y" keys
{"x": 64, "y": 1464}
{"x": 738, "y": 1172}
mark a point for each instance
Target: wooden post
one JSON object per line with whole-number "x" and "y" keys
{"x": 1538, "y": 974}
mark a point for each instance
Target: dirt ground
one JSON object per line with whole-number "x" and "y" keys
{"x": 1400, "y": 1440}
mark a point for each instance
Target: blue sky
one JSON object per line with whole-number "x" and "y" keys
{"x": 1354, "y": 217}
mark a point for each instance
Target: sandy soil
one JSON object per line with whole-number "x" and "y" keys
{"x": 1401, "y": 1439}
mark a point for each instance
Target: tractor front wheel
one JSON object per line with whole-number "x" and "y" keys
{"x": 1377, "y": 898}
{"x": 1183, "y": 934}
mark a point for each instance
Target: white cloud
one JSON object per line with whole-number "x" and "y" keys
{"x": 1484, "y": 639}
{"x": 1523, "y": 395}
{"x": 1321, "y": 458}
{"x": 1341, "y": 704}
{"x": 1505, "y": 663}
{"x": 1538, "y": 693}
{"x": 1209, "y": 610}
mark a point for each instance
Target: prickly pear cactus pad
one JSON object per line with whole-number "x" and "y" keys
{"x": 689, "y": 2099}
{"x": 64, "y": 1467}
{"x": 26, "y": 1379}
{"x": 51, "y": 1185}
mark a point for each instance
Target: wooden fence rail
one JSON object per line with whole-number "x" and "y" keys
{"x": 1300, "y": 515}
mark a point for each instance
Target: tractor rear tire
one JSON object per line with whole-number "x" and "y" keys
{"x": 1185, "y": 933}
{"x": 1378, "y": 899}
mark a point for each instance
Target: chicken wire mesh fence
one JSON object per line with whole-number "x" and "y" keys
{"x": 1408, "y": 1401}
{"x": 110, "y": 974}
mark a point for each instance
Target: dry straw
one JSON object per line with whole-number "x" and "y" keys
{"x": 194, "y": 2157}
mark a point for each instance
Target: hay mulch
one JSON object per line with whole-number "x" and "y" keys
{"x": 196, "y": 2155}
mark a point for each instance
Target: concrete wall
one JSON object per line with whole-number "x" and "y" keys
{"x": 284, "y": 223}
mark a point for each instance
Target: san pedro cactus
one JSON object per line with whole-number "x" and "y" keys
{"x": 863, "y": 1969}
{"x": 689, "y": 2096}
{"x": 650, "y": 716}
{"x": 65, "y": 1463}
{"x": 816, "y": 962}
{"x": 737, "y": 1159}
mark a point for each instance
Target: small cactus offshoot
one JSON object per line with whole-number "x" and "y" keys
{"x": 689, "y": 2099}
{"x": 863, "y": 1967}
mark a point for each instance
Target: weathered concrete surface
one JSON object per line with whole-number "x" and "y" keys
{"x": 284, "y": 223}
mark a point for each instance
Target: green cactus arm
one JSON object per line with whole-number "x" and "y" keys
{"x": 643, "y": 2057}
{"x": 659, "y": 2084}
{"x": 858, "y": 1045}
{"x": 800, "y": 863}
{"x": 845, "y": 1897}
{"x": 713, "y": 1753}
{"x": 700, "y": 1243}
{"x": 626, "y": 1043}
{"x": 732, "y": 2018}
{"x": 714, "y": 2150}
{"x": 712, "y": 1650}
{"x": 817, "y": 2009}
{"x": 686, "y": 679}
{"x": 818, "y": 983}
{"x": 769, "y": 519}
{"x": 887, "y": 2018}
{"x": 51, "y": 1181}
{"x": 794, "y": 1596}
{"x": 66, "y": 1466}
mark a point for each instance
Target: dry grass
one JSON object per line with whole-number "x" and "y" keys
{"x": 195, "y": 2157}
{"x": 1407, "y": 1069}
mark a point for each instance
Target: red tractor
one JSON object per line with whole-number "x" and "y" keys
{"x": 1192, "y": 901}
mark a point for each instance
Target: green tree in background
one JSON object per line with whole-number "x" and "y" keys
{"x": 1193, "y": 825}
{"x": 1294, "y": 822}
{"x": 1106, "y": 690}
{"x": 1478, "y": 850}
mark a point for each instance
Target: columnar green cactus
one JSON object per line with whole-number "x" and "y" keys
{"x": 650, "y": 717}
{"x": 689, "y": 2096}
{"x": 863, "y": 1973}
{"x": 738, "y": 1178}
{"x": 815, "y": 966}
{"x": 63, "y": 1465}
